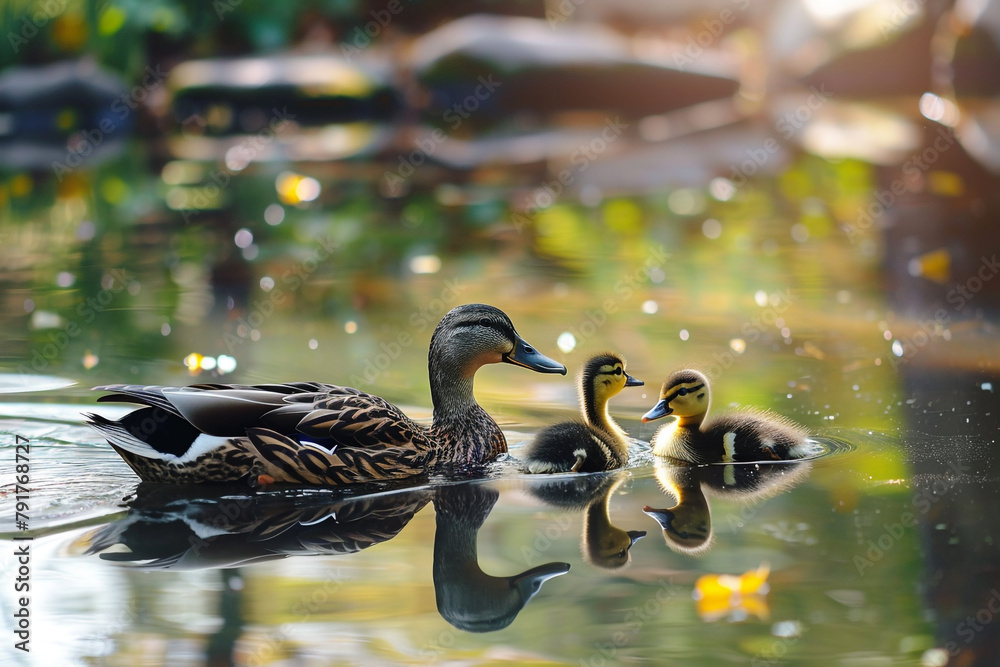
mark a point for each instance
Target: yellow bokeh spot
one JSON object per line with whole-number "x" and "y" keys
{"x": 111, "y": 20}
{"x": 21, "y": 185}
{"x": 66, "y": 119}
{"x": 114, "y": 190}
{"x": 163, "y": 19}
{"x": 295, "y": 188}
{"x": 623, "y": 215}
{"x": 934, "y": 265}
{"x": 193, "y": 363}
{"x": 945, "y": 183}
{"x": 69, "y": 31}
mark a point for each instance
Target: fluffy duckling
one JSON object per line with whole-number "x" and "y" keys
{"x": 747, "y": 435}
{"x": 597, "y": 443}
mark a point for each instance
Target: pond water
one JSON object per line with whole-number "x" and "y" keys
{"x": 849, "y": 291}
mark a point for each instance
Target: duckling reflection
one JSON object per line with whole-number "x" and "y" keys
{"x": 467, "y": 597}
{"x": 687, "y": 526}
{"x": 164, "y": 530}
{"x": 602, "y": 543}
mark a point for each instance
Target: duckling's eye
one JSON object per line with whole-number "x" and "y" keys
{"x": 618, "y": 370}
{"x": 683, "y": 391}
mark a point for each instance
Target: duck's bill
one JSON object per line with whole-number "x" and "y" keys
{"x": 635, "y": 535}
{"x": 539, "y": 574}
{"x": 661, "y": 409}
{"x": 528, "y": 357}
{"x": 633, "y": 382}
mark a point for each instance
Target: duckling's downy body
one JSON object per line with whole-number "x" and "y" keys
{"x": 747, "y": 435}
{"x": 312, "y": 433}
{"x": 595, "y": 444}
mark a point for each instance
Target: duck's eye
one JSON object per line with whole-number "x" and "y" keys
{"x": 484, "y": 322}
{"x": 683, "y": 391}
{"x": 618, "y": 370}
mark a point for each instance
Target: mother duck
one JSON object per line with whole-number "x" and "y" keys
{"x": 321, "y": 434}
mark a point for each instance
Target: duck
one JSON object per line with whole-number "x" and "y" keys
{"x": 468, "y": 597}
{"x": 166, "y": 527}
{"x": 745, "y": 436}
{"x": 597, "y": 443}
{"x": 310, "y": 433}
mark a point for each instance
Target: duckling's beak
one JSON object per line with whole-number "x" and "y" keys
{"x": 633, "y": 382}
{"x": 634, "y": 536}
{"x": 528, "y": 357}
{"x": 663, "y": 517}
{"x": 661, "y": 409}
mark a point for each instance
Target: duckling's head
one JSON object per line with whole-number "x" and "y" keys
{"x": 475, "y": 334}
{"x": 610, "y": 549}
{"x": 684, "y": 394}
{"x": 603, "y": 376}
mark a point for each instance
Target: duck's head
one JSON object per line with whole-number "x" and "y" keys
{"x": 684, "y": 394}
{"x": 475, "y": 334}
{"x": 604, "y": 376}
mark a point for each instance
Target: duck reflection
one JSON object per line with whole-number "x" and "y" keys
{"x": 687, "y": 526}
{"x": 602, "y": 543}
{"x": 167, "y": 530}
{"x": 467, "y": 597}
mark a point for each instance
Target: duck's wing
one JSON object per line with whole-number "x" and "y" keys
{"x": 341, "y": 436}
{"x": 215, "y": 409}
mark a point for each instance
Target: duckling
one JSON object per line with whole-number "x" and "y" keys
{"x": 687, "y": 526}
{"x": 596, "y": 444}
{"x": 747, "y": 435}
{"x": 602, "y": 543}
{"x": 321, "y": 434}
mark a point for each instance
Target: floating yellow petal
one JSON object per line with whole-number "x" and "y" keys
{"x": 733, "y": 596}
